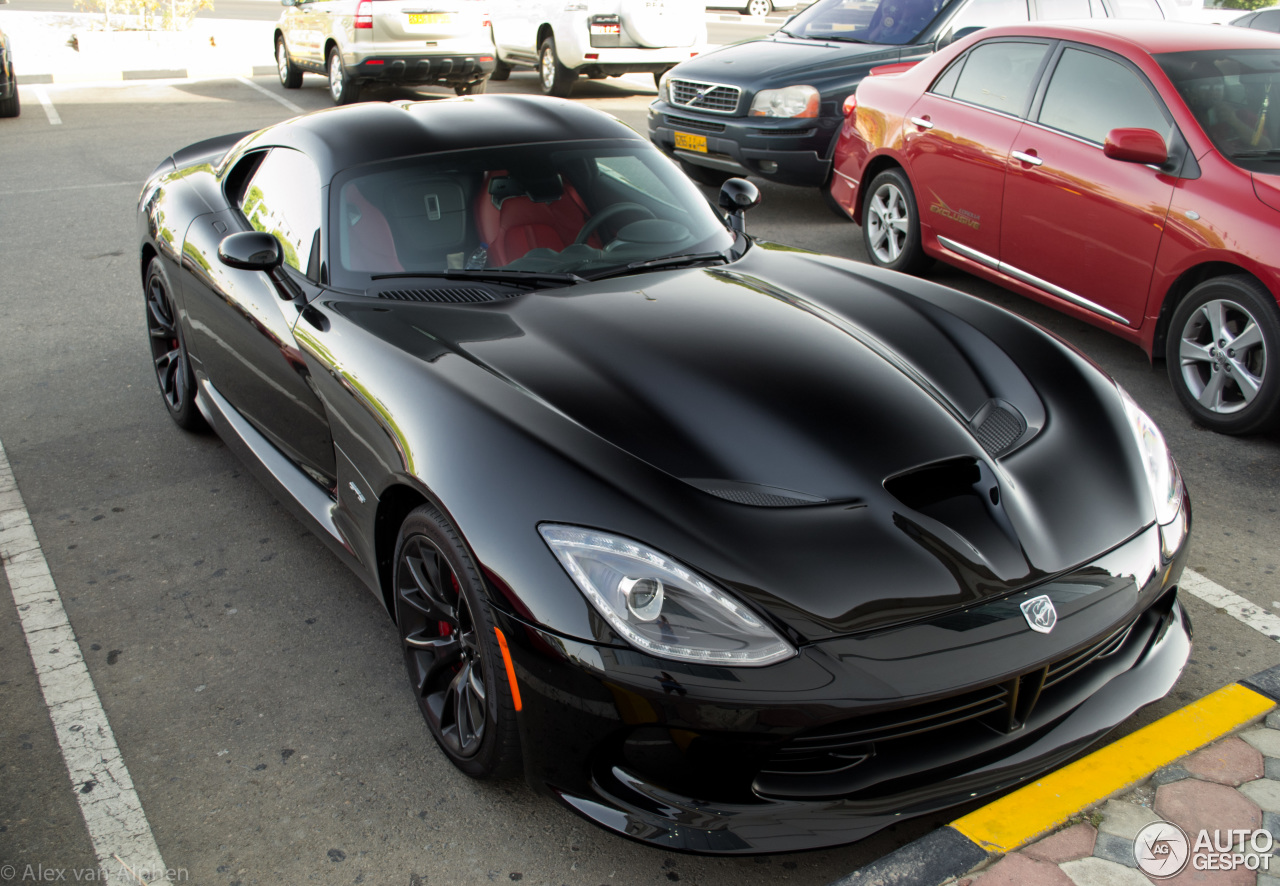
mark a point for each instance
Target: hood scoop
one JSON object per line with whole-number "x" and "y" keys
{"x": 457, "y": 295}
{"x": 999, "y": 427}
{"x": 756, "y": 495}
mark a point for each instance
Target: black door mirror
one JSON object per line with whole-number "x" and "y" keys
{"x": 251, "y": 251}
{"x": 737, "y": 195}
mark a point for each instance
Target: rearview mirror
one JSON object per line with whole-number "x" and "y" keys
{"x": 251, "y": 251}
{"x": 737, "y": 195}
{"x": 1136, "y": 146}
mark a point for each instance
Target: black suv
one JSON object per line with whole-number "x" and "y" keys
{"x": 772, "y": 107}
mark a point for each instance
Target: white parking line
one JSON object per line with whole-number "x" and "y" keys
{"x": 269, "y": 94}
{"x": 1233, "y": 604}
{"x": 50, "y": 111}
{"x": 121, "y": 835}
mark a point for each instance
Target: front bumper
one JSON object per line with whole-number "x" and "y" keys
{"x": 423, "y": 69}
{"x": 854, "y": 733}
{"x": 787, "y": 151}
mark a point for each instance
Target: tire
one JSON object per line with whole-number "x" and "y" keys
{"x": 891, "y": 224}
{"x": 343, "y": 89}
{"x": 11, "y": 106}
{"x": 554, "y": 78}
{"x": 455, "y": 665}
{"x": 759, "y": 8}
{"x": 501, "y": 70}
{"x": 1221, "y": 354}
{"x": 704, "y": 175}
{"x": 290, "y": 74}
{"x": 169, "y": 350}
{"x": 477, "y": 88}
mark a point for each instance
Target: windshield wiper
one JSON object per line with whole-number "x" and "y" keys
{"x": 666, "y": 261}
{"x": 1263, "y": 153}
{"x": 493, "y": 275}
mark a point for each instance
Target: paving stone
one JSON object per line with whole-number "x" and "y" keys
{"x": 1117, "y": 849}
{"x": 1015, "y": 869}
{"x": 1271, "y": 822}
{"x": 1201, "y": 805}
{"x": 1241, "y": 876}
{"x": 1066, "y": 845}
{"x": 1125, "y": 819}
{"x": 1100, "y": 872}
{"x": 1265, "y": 792}
{"x": 1267, "y": 879}
{"x": 1230, "y": 762}
{"x": 1169, "y": 774}
{"x": 1273, "y": 720}
{"x": 1265, "y": 740}
{"x": 1271, "y": 767}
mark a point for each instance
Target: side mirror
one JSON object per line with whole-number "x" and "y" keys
{"x": 1136, "y": 146}
{"x": 288, "y": 2}
{"x": 737, "y": 195}
{"x": 251, "y": 251}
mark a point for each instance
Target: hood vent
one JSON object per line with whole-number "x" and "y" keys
{"x": 455, "y": 296}
{"x": 755, "y": 495}
{"x": 999, "y": 427}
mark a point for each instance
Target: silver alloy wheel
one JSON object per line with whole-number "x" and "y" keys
{"x": 759, "y": 8}
{"x": 282, "y": 60}
{"x": 1222, "y": 356}
{"x": 547, "y": 68}
{"x": 336, "y": 83}
{"x": 888, "y": 219}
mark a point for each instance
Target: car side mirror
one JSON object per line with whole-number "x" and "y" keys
{"x": 737, "y": 195}
{"x": 288, "y": 2}
{"x": 1136, "y": 146}
{"x": 251, "y": 251}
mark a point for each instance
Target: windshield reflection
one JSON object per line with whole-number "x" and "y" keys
{"x": 887, "y": 22}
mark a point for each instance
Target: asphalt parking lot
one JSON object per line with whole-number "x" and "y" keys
{"x": 254, "y": 687}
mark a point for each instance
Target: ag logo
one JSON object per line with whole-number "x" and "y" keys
{"x": 1161, "y": 850}
{"x": 1040, "y": 614}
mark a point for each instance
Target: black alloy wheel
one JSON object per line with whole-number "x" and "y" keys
{"x": 455, "y": 666}
{"x": 169, "y": 351}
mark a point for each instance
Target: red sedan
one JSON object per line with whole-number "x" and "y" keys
{"x": 1126, "y": 173}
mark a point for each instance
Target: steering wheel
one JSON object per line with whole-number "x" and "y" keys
{"x": 591, "y": 224}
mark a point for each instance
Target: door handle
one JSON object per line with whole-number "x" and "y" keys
{"x": 922, "y": 122}
{"x": 1027, "y": 158}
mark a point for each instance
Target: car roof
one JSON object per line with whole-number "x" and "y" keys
{"x": 353, "y": 135}
{"x": 1151, "y": 37}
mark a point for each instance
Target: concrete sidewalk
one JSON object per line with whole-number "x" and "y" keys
{"x": 54, "y": 47}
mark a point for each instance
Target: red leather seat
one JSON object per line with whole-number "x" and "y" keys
{"x": 512, "y": 224}
{"x": 370, "y": 245}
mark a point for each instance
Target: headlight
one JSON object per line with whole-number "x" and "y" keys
{"x": 664, "y": 95}
{"x": 659, "y": 605}
{"x": 1163, "y": 477}
{"x": 793, "y": 101}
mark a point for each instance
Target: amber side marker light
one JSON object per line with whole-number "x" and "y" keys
{"x": 511, "y": 671}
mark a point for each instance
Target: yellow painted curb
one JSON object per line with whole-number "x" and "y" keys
{"x": 1018, "y": 818}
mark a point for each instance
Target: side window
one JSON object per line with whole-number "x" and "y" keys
{"x": 1267, "y": 21}
{"x": 980, "y": 14}
{"x": 1053, "y": 10}
{"x": 283, "y": 199}
{"x": 946, "y": 84}
{"x": 1001, "y": 75}
{"x": 1089, "y": 95}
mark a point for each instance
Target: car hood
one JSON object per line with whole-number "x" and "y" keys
{"x": 830, "y": 425}
{"x": 780, "y": 60}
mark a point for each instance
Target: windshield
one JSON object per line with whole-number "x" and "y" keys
{"x": 581, "y": 208}
{"x": 1235, "y": 96}
{"x": 891, "y": 22}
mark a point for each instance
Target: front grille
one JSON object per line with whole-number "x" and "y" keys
{"x": 1003, "y": 707}
{"x": 455, "y": 296}
{"x": 712, "y": 97}
{"x": 690, "y": 123}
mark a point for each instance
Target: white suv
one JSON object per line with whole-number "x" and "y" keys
{"x": 599, "y": 38}
{"x": 410, "y": 42}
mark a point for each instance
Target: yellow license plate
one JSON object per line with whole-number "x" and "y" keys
{"x": 688, "y": 142}
{"x": 430, "y": 18}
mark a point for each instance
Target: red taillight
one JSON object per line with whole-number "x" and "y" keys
{"x": 364, "y": 14}
{"x": 375, "y": 61}
{"x": 850, "y": 104}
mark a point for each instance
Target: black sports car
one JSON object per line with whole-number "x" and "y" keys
{"x": 731, "y": 547}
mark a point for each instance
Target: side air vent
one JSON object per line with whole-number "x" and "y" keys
{"x": 755, "y": 495}
{"x": 998, "y": 426}
{"x": 457, "y": 296}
